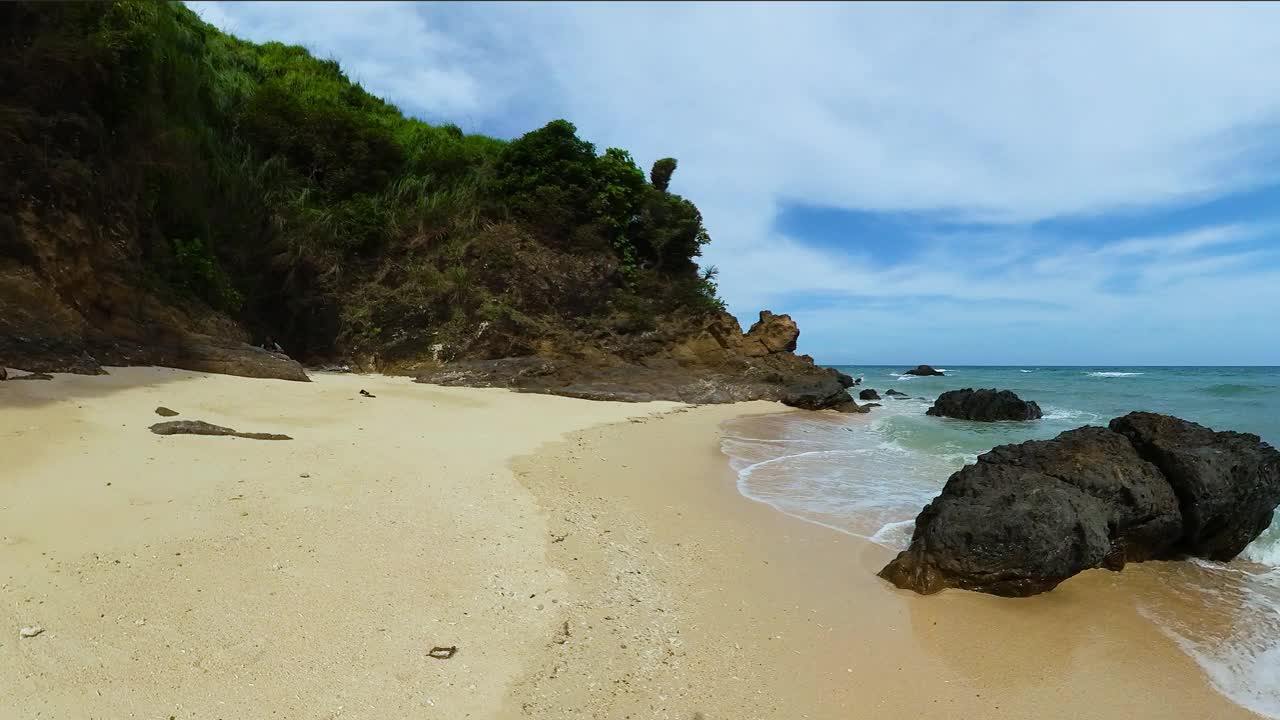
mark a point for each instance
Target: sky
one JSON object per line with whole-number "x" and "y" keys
{"x": 951, "y": 184}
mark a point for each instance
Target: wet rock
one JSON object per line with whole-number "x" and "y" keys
{"x": 1026, "y": 517}
{"x": 852, "y": 407}
{"x": 200, "y": 427}
{"x": 846, "y": 380}
{"x": 33, "y": 376}
{"x": 923, "y": 370}
{"x": 1228, "y": 483}
{"x": 894, "y": 393}
{"x": 988, "y": 405}
{"x": 868, "y": 394}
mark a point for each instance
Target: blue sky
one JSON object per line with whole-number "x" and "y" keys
{"x": 949, "y": 184}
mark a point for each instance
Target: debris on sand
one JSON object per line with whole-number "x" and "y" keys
{"x": 367, "y": 394}
{"x": 443, "y": 653}
{"x": 30, "y": 632}
{"x": 163, "y": 411}
{"x": 200, "y": 427}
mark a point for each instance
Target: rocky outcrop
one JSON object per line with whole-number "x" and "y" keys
{"x": 868, "y": 394}
{"x": 988, "y": 405}
{"x": 712, "y": 361}
{"x": 71, "y": 306}
{"x": 894, "y": 393}
{"x": 923, "y": 370}
{"x": 770, "y": 334}
{"x": 1227, "y": 483}
{"x": 1026, "y": 517}
{"x": 846, "y": 380}
{"x": 200, "y": 427}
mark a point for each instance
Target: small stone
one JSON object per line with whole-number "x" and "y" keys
{"x": 305, "y": 475}
{"x": 30, "y": 632}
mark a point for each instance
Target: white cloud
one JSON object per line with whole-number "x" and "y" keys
{"x": 1004, "y": 112}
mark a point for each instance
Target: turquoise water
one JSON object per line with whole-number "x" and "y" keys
{"x": 870, "y": 476}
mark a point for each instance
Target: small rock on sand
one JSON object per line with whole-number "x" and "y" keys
{"x": 165, "y": 412}
{"x": 30, "y": 632}
{"x": 200, "y": 427}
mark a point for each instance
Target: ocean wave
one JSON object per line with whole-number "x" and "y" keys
{"x": 1113, "y": 374}
{"x": 1057, "y": 413}
{"x": 1026, "y": 371}
{"x": 1265, "y": 549}
{"x": 895, "y": 535}
{"x": 1234, "y": 390}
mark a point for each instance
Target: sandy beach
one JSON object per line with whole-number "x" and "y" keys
{"x": 587, "y": 560}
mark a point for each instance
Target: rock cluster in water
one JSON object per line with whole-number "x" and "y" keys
{"x": 923, "y": 370}
{"x": 1026, "y": 517}
{"x": 987, "y": 405}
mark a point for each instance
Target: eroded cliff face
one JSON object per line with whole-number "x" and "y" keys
{"x": 707, "y": 361}
{"x": 73, "y": 298}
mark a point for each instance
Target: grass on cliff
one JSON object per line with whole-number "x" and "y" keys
{"x": 261, "y": 181}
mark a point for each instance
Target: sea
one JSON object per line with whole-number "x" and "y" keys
{"x": 869, "y": 477}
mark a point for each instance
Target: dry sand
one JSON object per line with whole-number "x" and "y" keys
{"x": 206, "y": 577}
{"x": 616, "y": 573}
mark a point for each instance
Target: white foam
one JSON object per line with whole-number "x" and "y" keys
{"x": 1114, "y": 374}
{"x": 1026, "y": 371}
{"x": 1265, "y": 549}
{"x": 895, "y": 535}
{"x": 1056, "y": 413}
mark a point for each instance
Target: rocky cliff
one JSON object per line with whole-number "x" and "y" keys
{"x": 173, "y": 195}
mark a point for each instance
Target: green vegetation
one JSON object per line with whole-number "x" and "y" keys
{"x": 260, "y": 181}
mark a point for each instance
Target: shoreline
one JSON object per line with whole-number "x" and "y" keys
{"x": 588, "y": 559}
{"x": 687, "y": 590}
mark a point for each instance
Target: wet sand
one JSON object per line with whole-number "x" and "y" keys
{"x": 689, "y": 600}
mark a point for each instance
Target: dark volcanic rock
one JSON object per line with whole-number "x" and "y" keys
{"x": 1026, "y": 517}
{"x": 166, "y": 412}
{"x": 894, "y": 393}
{"x": 846, "y": 380}
{"x": 984, "y": 405}
{"x": 923, "y": 370}
{"x": 869, "y": 394}
{"x": 200, "y": 427}
{"x": 1228, "y": 483}
{"x": 852, "y": 407}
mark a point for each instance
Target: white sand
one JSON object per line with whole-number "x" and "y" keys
{"x": 204, "y": 577}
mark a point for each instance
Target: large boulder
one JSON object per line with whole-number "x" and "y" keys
{"x": 1228, "y": 483}
{"x": 1026, "y": 517}
{"x": 846, "y": 380}
{"x": 923, "y": 370}
{"x": 770, "y": 334}
{"x": 868, "y": 394}
{"x": 988, "y": 405}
